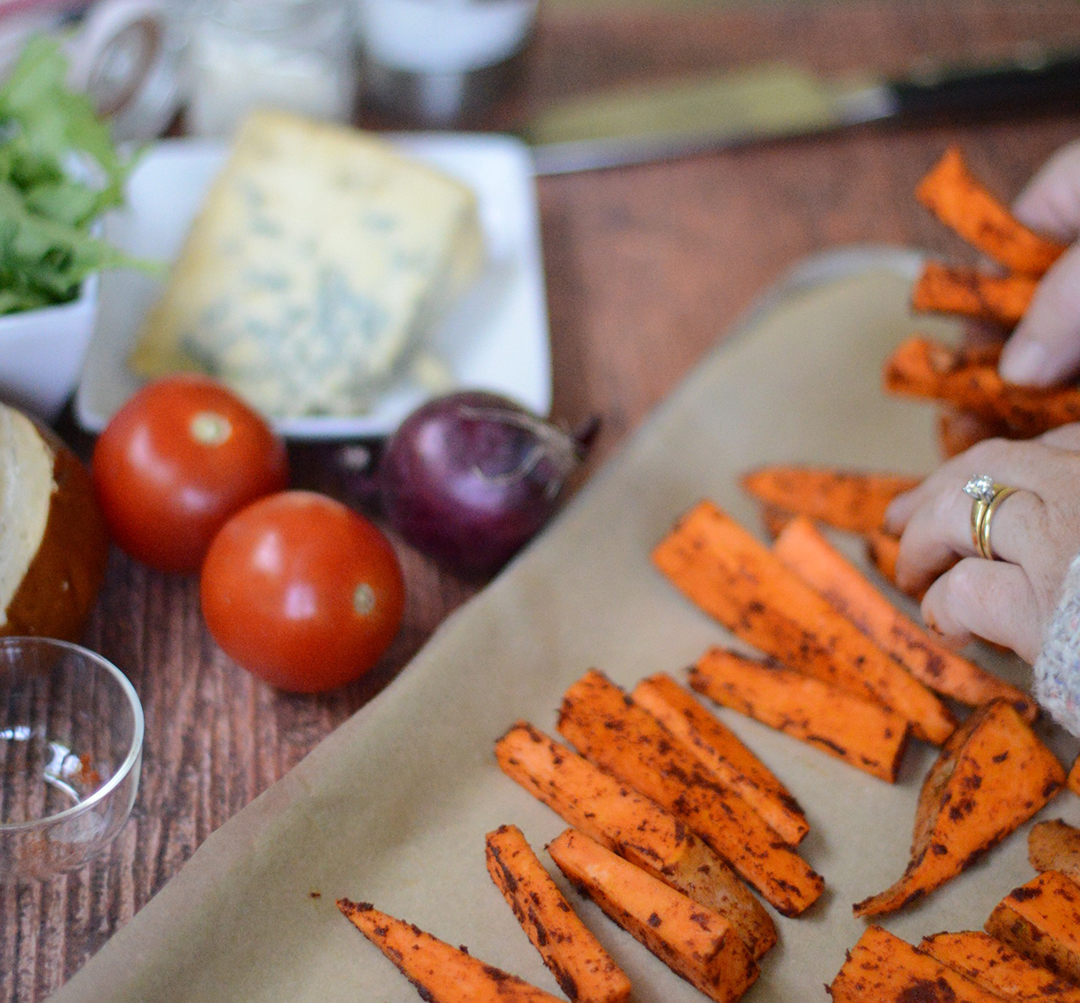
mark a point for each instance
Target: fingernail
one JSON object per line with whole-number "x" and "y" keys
{"x": 1025, "y": 362}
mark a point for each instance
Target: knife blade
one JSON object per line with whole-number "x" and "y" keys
{"x": 777, "y": 101}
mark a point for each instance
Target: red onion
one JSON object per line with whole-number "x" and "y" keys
{"x": 470, "y": 477}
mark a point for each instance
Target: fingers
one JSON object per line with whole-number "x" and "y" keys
{"x": 940, "y": 532}
{"x": 988, "y": 599}
{"x": 935, "y": 517}
{"x": 1045, "y": 346}
{"x": 950, "y": 477}
{"x": 1050, "y": 203}
{"x": 901, "y": 508}
{"x": 1063, "y": 437}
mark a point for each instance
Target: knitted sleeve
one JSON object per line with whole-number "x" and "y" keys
{"x": 1057, "y": 669}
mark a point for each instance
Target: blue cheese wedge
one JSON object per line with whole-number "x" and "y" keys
{"x": 316, "y": 267}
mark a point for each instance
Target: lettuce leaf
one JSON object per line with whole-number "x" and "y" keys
{"x": 59, "y": 170}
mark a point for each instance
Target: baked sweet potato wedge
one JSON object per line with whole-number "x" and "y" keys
{"x": 968, "y": 292}
{"x": 882, "y": 968}
{"x": 864, "y": 734}
{"x": 719, "y": 751}
{"x": 989, "y": 963}
{"x": 583, "y": 969}
{"x": 993, "y": 775}
{"x": 735, "y": 578}
{"x": 1055, "y": 846}
{"x": 958, "y": 430}
{"x": 965, "y": 205}
{"x": 635, "y": 827}
{"x": 774, "y": 519}
{"x": 968, "y": 380}
{"x": 624, "y": 739}
{"x": 1073, "y": 780}
{"x": 694, "y": 942}
{"x": 852, "y": 500}
{"x": 440, "y": 973}
{"x": 804, "y": 549}
{"x": 882, "y": 550}
{"x": 1041, "y": 920}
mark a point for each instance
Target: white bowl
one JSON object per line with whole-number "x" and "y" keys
{"x": 42, "y": 351}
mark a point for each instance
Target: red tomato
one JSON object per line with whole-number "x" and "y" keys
{"x": 302, "y": 591}
{"x": 180, "y": 457}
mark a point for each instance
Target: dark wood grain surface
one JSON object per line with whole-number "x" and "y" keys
{"x": 646, "y": 268}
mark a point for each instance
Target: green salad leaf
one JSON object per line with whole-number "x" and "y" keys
{"x": 59, "y": 170}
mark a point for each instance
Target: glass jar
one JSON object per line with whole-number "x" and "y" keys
{"x": 434, "y": 61}
{"x": 297, "y": 55}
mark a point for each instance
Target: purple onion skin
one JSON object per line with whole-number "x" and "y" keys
{"x": 470, "y": 477}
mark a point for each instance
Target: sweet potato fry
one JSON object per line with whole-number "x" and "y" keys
{"x": 735, "y": 578}
{"x": 864, "y": 734}
{"x": 847, "y": 499}
{"x": 626, "y": 740}
{"x": 694, "y": 942}
{"x": 773, "y": 519}
{"x": 804, "y": 549}
{"x": 634, "y": 827}
{"x": 441, "y": 973}
{"x": 721, "y": 753}
{"x": 1073, "y": 780}
{"x": 882, "y": 549}
{"x": 963, "y": 204}
{"x": 991, "y": 777}
{"x": 1041, "y": 920}
{"x": 885, "y": 969}
{"x": 968, "y": 292}
{"x": 1055, "y": 846}
{"x": 968, "y": 380}
{"x": 958, "y": 430}
{"x": 997, "y": 968}
{"x": 583, "y": 969}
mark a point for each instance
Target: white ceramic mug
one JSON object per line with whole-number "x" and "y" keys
{"x": 126, "y": 55}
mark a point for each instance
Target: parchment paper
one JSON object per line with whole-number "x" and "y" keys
{"x": 393, "y": 807}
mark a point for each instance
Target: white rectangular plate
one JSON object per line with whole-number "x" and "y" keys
{"x": 495, "y": 339}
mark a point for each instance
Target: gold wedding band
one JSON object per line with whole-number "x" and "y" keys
{"x": 986, "y": 495}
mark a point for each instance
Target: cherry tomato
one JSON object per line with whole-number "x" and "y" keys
{"x": 302, "y": 591}
{"x": 181, "y": 456}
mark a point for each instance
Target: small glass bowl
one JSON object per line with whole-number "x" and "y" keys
{"x": 71, "y": 735}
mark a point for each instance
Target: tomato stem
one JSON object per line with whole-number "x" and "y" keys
{"x": 210, "y": 428}
{"x": 364, "y": 599}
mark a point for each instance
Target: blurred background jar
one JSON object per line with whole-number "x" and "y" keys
{"x": 298, "y": 55}
{"x": 439, "y": 63}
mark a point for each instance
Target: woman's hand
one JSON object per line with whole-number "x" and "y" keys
{"x": 1035, "y": 534}
{"x": 1045, "y": 347}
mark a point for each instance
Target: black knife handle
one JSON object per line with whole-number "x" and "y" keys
{"x": 1043, "y": 82}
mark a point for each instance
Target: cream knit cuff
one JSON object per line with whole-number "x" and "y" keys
{"x": 1057, "y": 669}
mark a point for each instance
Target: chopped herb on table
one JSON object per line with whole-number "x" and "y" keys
{"x": 59, "y": 170}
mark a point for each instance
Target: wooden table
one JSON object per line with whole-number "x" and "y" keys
{"x": 646, "y": 267}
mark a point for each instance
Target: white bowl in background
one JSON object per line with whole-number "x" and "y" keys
{"x": 42, "y": 352}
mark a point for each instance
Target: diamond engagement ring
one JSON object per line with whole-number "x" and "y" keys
{"x": 986, "y": 495}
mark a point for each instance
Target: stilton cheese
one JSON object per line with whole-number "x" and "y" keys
{"x": 317, "y": 264}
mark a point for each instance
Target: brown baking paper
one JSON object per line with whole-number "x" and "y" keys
{"x": 393, "y": 807}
